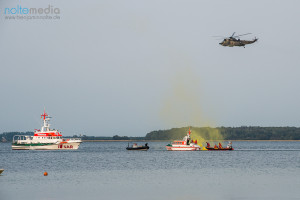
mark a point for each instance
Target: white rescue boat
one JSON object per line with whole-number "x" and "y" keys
{"x": 45, "y": 139}
{"x": 184, "y": 145}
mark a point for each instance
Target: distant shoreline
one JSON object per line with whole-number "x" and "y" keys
{"x": 137, "y": 141}
{"x": 243, "y": 133}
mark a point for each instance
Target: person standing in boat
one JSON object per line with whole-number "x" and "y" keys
{"x": 188, "y": 141}
{"x": 207, "y": 144}
{"x": 220, "y": 145}
{"x": 229, "y": 145}
{"x": 188, "y": 137}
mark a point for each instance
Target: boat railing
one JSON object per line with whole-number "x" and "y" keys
{"x": 19, "y": 139}
{"x": 73, "y": 139}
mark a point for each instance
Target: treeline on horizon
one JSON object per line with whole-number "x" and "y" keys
{"x": 227, "y": 133}
{"x": 8, "y": 137}
{"x": 115, "y": 137}
{"x": 230, "y": 133}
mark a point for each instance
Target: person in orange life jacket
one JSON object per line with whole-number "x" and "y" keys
{"x": 220, "y": 146}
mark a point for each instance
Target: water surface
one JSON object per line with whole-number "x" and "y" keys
{"x": 105, "y": 170}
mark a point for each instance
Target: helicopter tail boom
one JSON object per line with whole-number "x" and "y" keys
{"x": 249, "y": 41}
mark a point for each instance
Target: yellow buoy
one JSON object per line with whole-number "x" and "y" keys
{"x": 45, "y": 173}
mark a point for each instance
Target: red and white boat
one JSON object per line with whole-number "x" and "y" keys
{"x": 45, "y": 139}
{"x": 184, "y": 145}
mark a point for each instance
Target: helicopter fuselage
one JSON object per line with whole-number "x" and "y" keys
{"x": 231, "y": 42}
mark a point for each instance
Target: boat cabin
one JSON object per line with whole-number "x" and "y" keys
{"x": 179, "y": 143}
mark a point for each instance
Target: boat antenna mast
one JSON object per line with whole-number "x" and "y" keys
{"x": 190, "y": 132}
{"x": 46, "y": 118}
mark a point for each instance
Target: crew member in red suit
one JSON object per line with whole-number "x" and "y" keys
{"x": 207, "y": 144}
{"x": 220, "y": 146}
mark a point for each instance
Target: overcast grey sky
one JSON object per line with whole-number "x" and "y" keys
{"x": 130, "y": 67}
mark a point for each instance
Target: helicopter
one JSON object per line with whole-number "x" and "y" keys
{"x": 234, "y": 40}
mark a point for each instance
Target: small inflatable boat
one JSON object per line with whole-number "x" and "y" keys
{"x": 219, "y": 147}
{"x": 138, "y": 148}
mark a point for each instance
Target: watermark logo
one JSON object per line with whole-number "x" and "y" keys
{"x": 25, "y": 13}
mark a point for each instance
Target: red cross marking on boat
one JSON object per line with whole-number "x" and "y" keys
{"x": 44, "y": 115}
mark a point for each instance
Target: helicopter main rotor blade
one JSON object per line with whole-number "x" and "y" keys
{"x": 232, "y": 34}
{"x": 242, "y": 34}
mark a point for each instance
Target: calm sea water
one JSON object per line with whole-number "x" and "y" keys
{"x": 105, "y": 170}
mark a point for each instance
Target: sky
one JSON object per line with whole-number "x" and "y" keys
{"x": 115, "y": 67}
